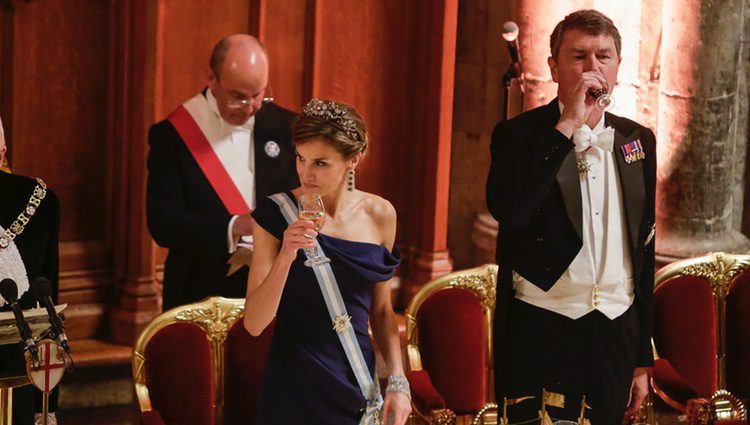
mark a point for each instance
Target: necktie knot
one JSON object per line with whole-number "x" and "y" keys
{"x": 584, "y": 138}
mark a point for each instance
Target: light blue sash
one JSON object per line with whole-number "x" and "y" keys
{"x": 341, "y": 322}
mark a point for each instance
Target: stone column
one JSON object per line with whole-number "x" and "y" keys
{"x": 481, "y": 59}
{"x": 648, "y": 45}
{"x": 741, "y": 202}
{"x": 698, "y": 144}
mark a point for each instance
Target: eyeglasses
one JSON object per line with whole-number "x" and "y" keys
{"x": 264, "y": 96}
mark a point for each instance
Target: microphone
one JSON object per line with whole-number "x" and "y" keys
{"x": 42, "y": 290}
{"x": 510, "y": 34}
{"x": 9, "y": 291}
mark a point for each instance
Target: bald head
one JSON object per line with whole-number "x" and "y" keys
{"x": 238, "y": 77}
{"x": 239, "y": 52}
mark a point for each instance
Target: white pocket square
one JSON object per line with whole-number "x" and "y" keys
{"x": 651, "y": 234}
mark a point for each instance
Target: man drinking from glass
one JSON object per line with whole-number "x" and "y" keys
{"x": 573, "y": 190}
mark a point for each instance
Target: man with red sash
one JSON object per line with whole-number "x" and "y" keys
{"x": 209, "y": 162}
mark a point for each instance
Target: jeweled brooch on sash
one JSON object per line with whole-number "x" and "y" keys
{"x": 341, "y": 322}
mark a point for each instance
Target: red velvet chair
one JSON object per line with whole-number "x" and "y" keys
{"x": 196, "y": 365}
{"x": 449, "y": 349}
{"x": 702, "y": 336}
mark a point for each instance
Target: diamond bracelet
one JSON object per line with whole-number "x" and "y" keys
{"x": 398, "y": 383}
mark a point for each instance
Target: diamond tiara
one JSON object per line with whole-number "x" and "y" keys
{"x": 334, "y": 114}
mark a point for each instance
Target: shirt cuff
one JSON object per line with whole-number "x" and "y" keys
{"x": 231, "y": 240}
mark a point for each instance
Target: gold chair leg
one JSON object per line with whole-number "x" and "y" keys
{"x": 443, "y": 417}
{"x": 6, "y": 406}
{"x": 488, "y": 415}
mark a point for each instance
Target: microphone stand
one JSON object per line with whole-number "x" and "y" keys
{"x": 513, "y": 73}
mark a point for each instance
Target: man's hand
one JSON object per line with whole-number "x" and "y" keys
{"x": 579, "y": 105}
{"x": 638, "y": 390}
{"x": 243, "y": 225}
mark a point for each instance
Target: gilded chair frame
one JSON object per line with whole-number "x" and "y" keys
{"x": 720, "y": 270}
{"x": 216, "y": 316}
{"x": 482, "y": 281}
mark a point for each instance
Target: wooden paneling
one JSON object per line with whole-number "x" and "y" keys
{"x": 138, "y": 297}
{"x": 394, "y": 62}
{"x": 56, "y": 58}
{"x": 60, "y": 107}
{"x": 433, "y": 38}
{"x": 362, "y": 57}
{"x": 6, "y": 71}
{"x": 286, "y": 29}
{"x": 187, "y": 31}
{"x": 81, "y": 81}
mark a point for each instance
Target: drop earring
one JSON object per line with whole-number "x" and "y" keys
{"x": 350, "y": 181}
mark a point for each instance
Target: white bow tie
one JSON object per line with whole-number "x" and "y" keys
{"x": 584, "y": 138}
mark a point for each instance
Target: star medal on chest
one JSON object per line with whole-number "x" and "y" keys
{"x": 272, "y": 149}
{"x": 633, "y": 151}
{"x": 582, "y": 164}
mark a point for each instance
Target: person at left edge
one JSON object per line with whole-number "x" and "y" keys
{"x": 26, "y": 252}
{"x": 208, "y": 163}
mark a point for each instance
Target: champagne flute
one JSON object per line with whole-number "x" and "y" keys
{"x": 603, "y": 98}
{"x": 311, "y": 208}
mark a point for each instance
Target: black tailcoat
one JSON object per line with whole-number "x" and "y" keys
{"x": 39, "y": 252}
{"x": 533, "y": 190}
{"x": 187, "y": 216}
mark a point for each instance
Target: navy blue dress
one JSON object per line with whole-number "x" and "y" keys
{"x": 307, "y": 378}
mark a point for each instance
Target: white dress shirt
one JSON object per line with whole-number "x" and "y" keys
{"x": 242, "y": 138}
{"x": 600, "y": 276}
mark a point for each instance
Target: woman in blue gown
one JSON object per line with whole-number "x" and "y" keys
{"x": 308, "y": 378}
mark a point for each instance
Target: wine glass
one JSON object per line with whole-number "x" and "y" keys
{"x": 311, "y": 208}
{"x": 604, "y": 99}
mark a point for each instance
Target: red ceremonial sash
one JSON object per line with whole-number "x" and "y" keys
{"x": 208, "y": 161}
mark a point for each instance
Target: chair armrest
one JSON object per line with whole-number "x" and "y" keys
{"x": 670, "y": 386}
{"x": 151, "y": 417}
{"x": 424, "y": 396}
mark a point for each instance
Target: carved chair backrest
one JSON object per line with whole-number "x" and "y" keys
{"x": 453, "y": 315}
{"x": 189, "y": 324}
{"x": 704, "y": 311}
